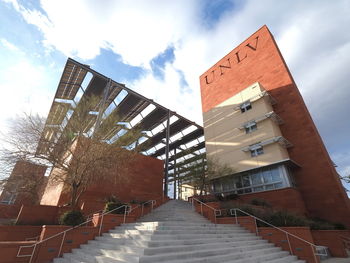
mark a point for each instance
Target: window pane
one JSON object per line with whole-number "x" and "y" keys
{"x": 258, "y": 189}
{"x": 217, "y": 186}
{"x": 256, "y": 179}
{"x": 237, "y": 181}
{"x": 267, "y": 176}
{"x": 227, "y": 184}
{"x": 246, "y": 180}
{"x": 269, "y": 187}
{"x": 278, "y": 185}
{"x": 248, "y": 190}
{"x": 276, "y": 177}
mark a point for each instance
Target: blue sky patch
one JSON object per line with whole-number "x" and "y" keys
{"x": 158, "y": 63}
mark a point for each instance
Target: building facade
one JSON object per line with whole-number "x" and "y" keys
{"x": 256, "y": 121}
{"x": 25, "y": 184}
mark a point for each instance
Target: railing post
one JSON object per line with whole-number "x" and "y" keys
{"x": 125, "y": 210}
{"x": 142, "y": 210}
{"x": 215, "y": 216}
{"x": 64, "y": 236}
{"x": 201, "y": 208}
{"x": 236, "y": 216}
{"x": 31, "y": 257}
{"x": 290, "y": 246}
{"x": 313, "y": 248}
{"x": 152, "y": 206}
{"x": 99, "y": 232}
{"x": 256, "y": 227}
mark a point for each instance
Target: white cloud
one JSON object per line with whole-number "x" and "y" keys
{"x": 312, "y": 35}
{"x": 8, "y": 45}
{"x": 138, "y": 30}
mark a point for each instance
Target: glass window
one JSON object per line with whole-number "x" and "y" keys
{"x": 227, "y": 184}
{"x": 256, "y": 151}
{"x": 269, "y": 187}
{"x": 278, "y": 185}
{"x": 237, "y": 181}
{"x": 245, "y": 106}
{"x": 260, "y": 180}
{"x": 250, "y": 127}
{"x": 246, "y": 180}
{"x": 258, "y": 189}
{"x": 267, "y": 176}
{"x": 217, "y": 186}
{"x": 276, "y": 176}
{"x": 256, "y": 179}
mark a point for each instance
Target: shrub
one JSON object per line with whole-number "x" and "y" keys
{"x": 260, "y": 202}
{"x": 339, "y": 226}
{"x": 112, "y": 206}
{"x": 219, "y": 197}
{"x": 284, "y": 218}
{"x": 112, "y": 199}
{"x": 321, "y": 224}
{"x": 231, "y": 196}
{"x": 72, "y": 218}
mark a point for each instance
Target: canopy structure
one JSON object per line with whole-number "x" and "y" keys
{"x": 169, "y": 136}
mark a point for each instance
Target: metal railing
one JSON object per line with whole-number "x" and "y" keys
{"x": 142, "y": 205}
{"x": 346, "y": 242}
{"x": 316, "y": 250}
{"x": 127, "y": 211}
{"x": 216, "y": 212}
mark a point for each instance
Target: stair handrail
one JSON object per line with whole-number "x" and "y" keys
{"x": 346, "y": 241}
{"x": 313, "y": 246}
{"x": 217, "y": 212}
{"x": 153, "y": 203}
{"x": 74, "y": 227}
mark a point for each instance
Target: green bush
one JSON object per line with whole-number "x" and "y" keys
{"x": 72, "y": 218}
{"x": 321, "y": 224}
{"x": 284, "y": 218}
{"x": 112, "y": 199}
{"x": 260, "y": 202}
{"x": 231, "y": 196}
{"x": 111, "y": 206}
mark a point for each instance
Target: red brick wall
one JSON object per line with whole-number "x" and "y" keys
{"x": 332, "y": 240}
{"x": 40, "y": 214}
{"x": 299, "y": 248}
{"x": 21, "y": 171}
{"x": 287, "y": 198}
{"x": 9, "y": 211}
{"x": 258, "y": 59}
{"x": 19, "y": 233}
{"x": 144, "y": 181}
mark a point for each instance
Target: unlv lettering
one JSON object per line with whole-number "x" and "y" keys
{"x": 238, "y": 59}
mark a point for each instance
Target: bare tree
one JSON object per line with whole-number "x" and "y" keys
{"x": 80, "y": 156}
{"x": 201, "y": 171}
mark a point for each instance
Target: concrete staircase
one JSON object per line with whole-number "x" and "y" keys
{"x": 174, "y": 233}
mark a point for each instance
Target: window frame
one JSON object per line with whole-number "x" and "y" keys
{"x": 245, "y": 106}
{"x": 250, "y": 127}
{"x": 256, "y": 151}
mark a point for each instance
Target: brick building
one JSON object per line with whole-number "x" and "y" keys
{"x": 256, "y": 121}
{"x": 25, "y": 184}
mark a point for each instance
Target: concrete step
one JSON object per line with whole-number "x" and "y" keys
{"x": 207, "y": 254}
{"x": 174, "y": 233}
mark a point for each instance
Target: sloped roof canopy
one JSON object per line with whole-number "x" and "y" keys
{"x": 79, "y": 81}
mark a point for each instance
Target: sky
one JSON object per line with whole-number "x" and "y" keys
{"x": 159, "y": 48}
